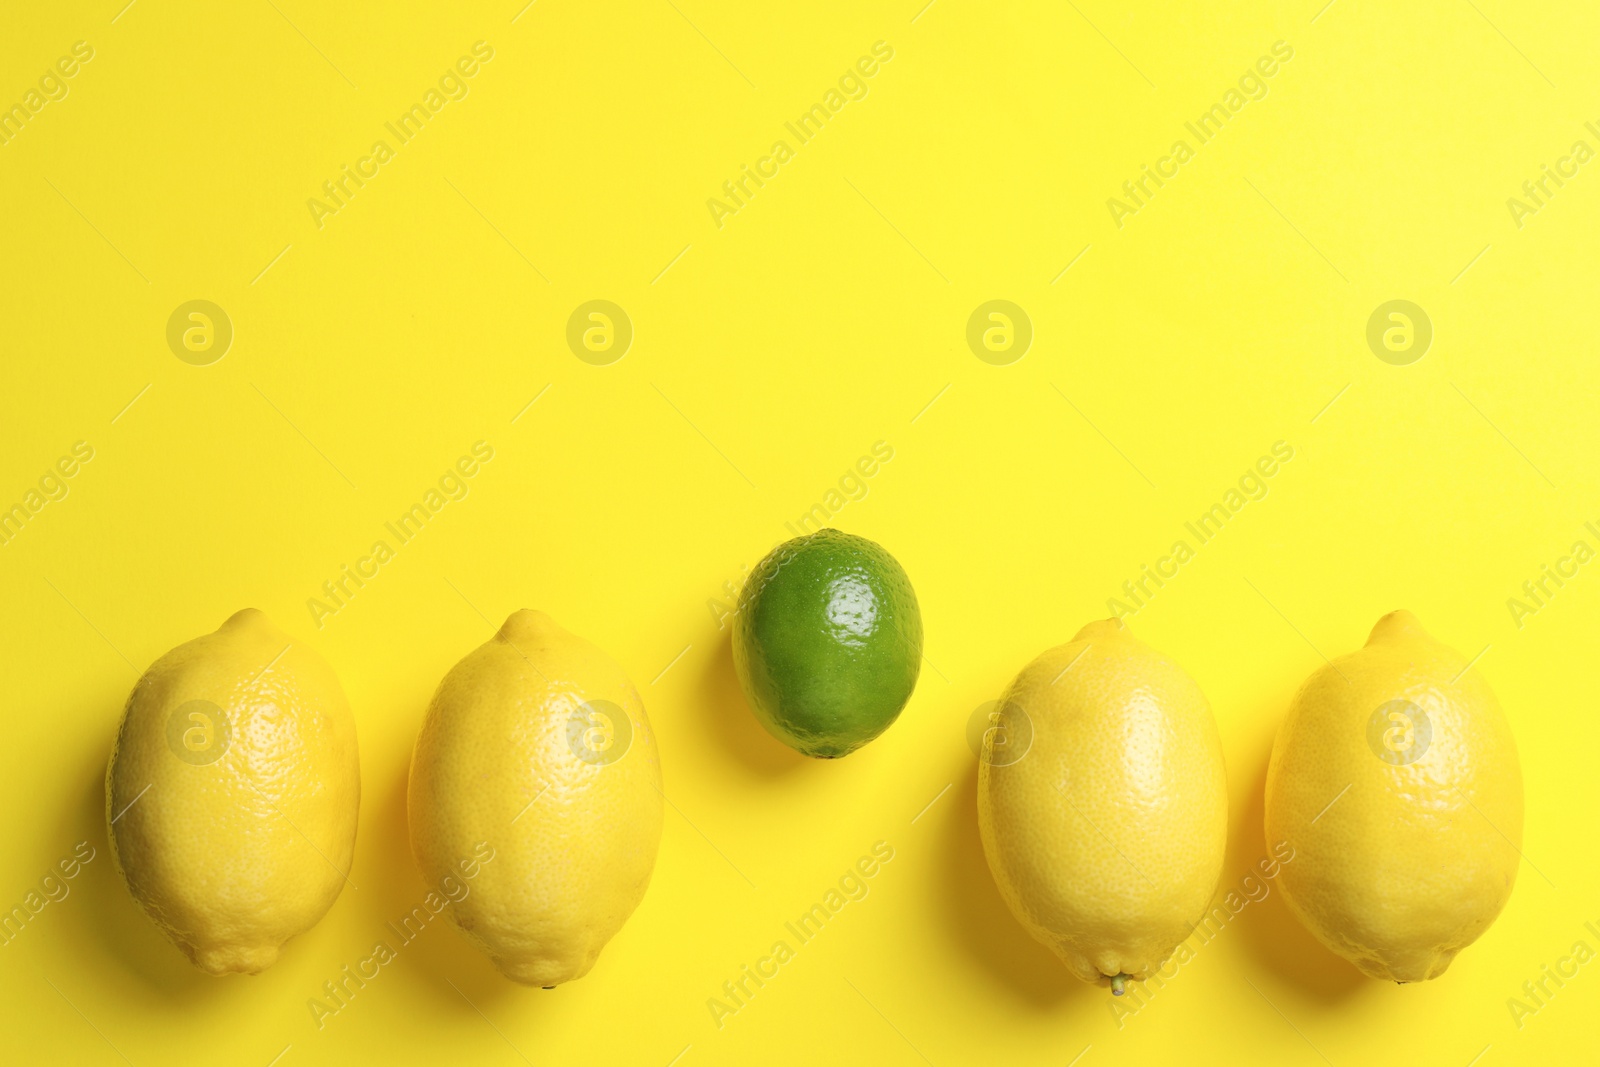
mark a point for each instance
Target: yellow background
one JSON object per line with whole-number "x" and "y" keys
{"x": 770, "y": 355}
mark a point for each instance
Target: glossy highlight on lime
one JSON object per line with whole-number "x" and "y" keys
{"x": 827, "y": 642}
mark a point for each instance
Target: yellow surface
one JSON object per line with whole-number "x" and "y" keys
{"x": 828, "y": 313}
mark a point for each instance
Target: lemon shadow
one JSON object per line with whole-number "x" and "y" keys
{"x": 389, "y": 836}
{"x": 101, "y": 924}
{"x": 426, "y": 944}
{"x": 1270, "y": 931}
{"x": 732, "y": 723}
{"x": 982, "y": 924}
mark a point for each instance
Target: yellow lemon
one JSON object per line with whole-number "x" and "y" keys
{"x": 232, "y": 793}
{"x": 1395, "y": 778}
{"x": 1103, "y": 803}
{"x": 536, "y": 794}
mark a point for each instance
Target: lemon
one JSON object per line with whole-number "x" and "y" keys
{"x": 536, "y": 752}
{"x": 1395, "y": 778}
{"x": 1106, "y": 835}
{"x": 827, "y": 642}
{"x": 232, "y": 793}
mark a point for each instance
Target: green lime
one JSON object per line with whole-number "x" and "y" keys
{"x": 827, "y": 642}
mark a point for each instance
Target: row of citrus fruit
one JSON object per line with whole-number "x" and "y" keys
{"x": 535, "y": 801}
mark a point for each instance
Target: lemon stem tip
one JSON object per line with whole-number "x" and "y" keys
{"x": 1119, "y": 984}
